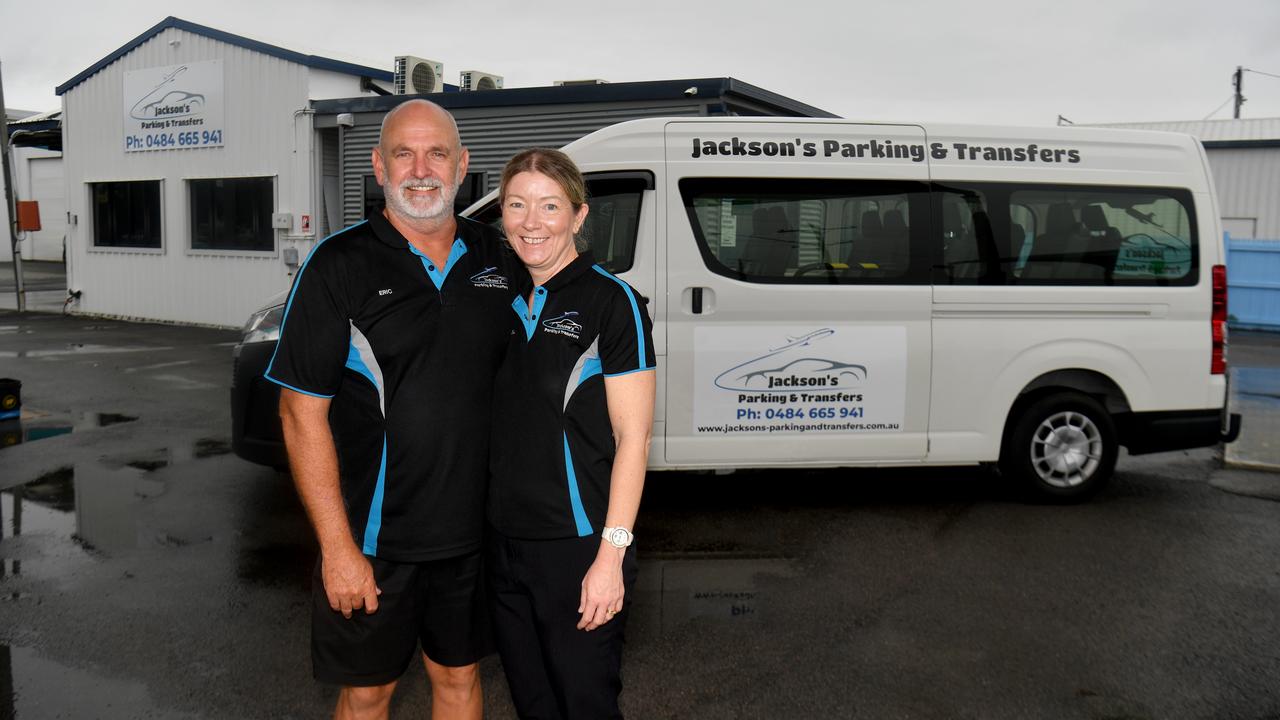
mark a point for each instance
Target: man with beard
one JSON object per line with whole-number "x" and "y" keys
{"x": 388, "y": 349}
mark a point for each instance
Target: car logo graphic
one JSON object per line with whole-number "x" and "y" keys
{"x": 563, "y": 324}
{"x": 488, "y": 278}
{"x": 791, "y": 366}
{"x": 162, "y": 103}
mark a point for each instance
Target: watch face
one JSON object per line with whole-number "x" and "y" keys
{"x": 619, "y": 537}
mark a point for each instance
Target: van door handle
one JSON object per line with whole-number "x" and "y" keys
{"x": 699, "y": 301}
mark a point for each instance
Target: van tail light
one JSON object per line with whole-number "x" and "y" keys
{"x": 1218, "y": 363}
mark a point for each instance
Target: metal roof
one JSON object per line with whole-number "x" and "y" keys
{"x": 725, "y": 90}
{"x": 43, "y": 130}
{"x": 314, "y": 61}
{"x": 1233, "y": 133}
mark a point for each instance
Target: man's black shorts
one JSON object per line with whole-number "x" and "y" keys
{"x": 440, "y": 604}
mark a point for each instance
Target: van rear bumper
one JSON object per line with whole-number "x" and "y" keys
{"x": 1152, "y": 432}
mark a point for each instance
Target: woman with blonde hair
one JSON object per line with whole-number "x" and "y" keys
{"x": 572, "y": 417}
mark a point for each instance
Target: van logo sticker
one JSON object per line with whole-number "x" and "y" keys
{"x": 789, "y": 366}
{"x": 563, "y": 324}
{"x": 487, "y": 278}
{"x": 763, "y": 379}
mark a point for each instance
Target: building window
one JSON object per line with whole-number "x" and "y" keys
{"x": 232, "y": 214}
{"x": 126, "y": 214}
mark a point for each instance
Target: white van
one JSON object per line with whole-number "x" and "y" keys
{"x": 833, "y": 293}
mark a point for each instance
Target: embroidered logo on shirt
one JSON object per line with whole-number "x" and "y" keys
{"x": 487, "y": 278}
{"x": 385, "y": 291}
{"x": 563, "y": 324}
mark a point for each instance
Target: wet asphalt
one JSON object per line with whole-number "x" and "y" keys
{"x": 147, "y": 572}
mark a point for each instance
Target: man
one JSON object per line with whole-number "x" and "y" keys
{"x": 389, "y": 345}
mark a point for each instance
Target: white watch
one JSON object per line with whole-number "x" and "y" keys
{"x": 618, "y": 537}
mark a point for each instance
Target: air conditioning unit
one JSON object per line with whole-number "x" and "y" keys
{"x": 416, "y": 76}
{"x": 591, "y": 81}
{"x": 477, "y": 80}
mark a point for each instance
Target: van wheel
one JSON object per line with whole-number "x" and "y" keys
{"x": 1061, "y": 448}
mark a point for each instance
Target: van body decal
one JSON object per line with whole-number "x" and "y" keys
{"x": 764, "y": 379}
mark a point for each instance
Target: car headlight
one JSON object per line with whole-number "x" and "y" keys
{"x": 264, "y": 325}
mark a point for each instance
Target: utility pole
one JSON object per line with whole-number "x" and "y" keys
{"x": 1239, "y": 82}
{"x": 8, "y": 202}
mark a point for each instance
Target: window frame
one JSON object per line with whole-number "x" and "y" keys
{"x": 93, "y": 247}
{"x": 920, "y": 249}
{"x": 999, "y": 197}
{"x": 191, "y": 250}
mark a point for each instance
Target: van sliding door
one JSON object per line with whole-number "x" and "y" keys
{"x": 798, "y": 314}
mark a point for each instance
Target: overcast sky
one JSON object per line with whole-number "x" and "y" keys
{"x": 989, "y": 61}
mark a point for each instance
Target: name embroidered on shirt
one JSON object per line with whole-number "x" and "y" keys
{"x": 386, "y": 291}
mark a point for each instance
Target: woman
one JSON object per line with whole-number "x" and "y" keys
{"x": 571, "y": 440}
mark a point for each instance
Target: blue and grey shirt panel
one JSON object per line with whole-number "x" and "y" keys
{"x": 408, "y": 354}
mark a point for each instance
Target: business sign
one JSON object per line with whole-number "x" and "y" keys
{"x": 172, "y": 107}
{"x": 767, "y": 379}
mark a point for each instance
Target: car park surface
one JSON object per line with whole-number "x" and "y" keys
{"x": 156, "y": 574}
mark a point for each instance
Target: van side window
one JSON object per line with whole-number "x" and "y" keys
{"x": 1025, "y": 234}
{"x": 810, "y": 232}
{"x": 612, "y": 221}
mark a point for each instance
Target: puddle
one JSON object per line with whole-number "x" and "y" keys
{"x": 86, "y": 509}
{"x": 80, "y": 349}
{"x": 32, "y": 687}
{"x": 726, "y": 591}
{"x": 210, "y": 447}
{"x": 16, "y": 432}
{"x": 82, "y": 513}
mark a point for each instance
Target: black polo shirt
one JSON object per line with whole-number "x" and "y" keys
{"x": 553, "y": 441}
{"x": 408, "y": 352}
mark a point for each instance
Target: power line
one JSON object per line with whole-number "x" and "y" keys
{"x": 1224, "y": 104}
{"x": 1259, "y": 72}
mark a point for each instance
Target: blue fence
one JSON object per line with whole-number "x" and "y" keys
{"x": 1253, "y": 283}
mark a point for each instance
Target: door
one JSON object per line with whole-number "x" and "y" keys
{"x": 798, "y": 314}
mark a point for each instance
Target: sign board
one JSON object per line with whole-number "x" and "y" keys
{"x": 173, "y": 107}
{"x": 768, "y": 379}
{"x": 28, "y": 215}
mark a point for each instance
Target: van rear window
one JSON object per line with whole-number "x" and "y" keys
{"x": 1006, "y": 234}
{"x": 774, "y": 230}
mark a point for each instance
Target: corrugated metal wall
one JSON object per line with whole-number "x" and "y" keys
{"x": 1248, "y": 185}
{"x": 495, "y": 136}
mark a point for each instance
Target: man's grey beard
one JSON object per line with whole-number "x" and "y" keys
{"x": 441, "y": 207}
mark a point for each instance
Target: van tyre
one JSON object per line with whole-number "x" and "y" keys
{"x": 1060, "y": 448}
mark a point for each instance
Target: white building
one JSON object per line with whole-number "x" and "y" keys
{"x": 1244, "y": 156}
{"x": 201, "y": 167}
{"x": 192, "y": 168}
{"x": 35, "y": 161}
